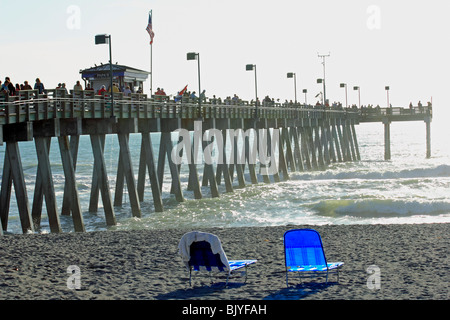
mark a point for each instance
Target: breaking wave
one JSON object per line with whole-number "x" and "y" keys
{"x": 376, "y": 208}
{"x": 439, "y": 171}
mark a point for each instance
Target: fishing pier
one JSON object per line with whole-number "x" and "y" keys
{"x": 305, "y": 138}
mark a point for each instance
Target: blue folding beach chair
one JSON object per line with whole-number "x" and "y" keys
{"x": 303, "y": 252}
{"x": 202, "y": 251}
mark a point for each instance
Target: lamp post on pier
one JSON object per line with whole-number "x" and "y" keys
{"x": 250, "y": 67}
{"x": 293, "y": 75}
{"x": 359, "y": 95}
{"x": 344, "y": 85}
{"x": 323, "y": 56}
{"x": 305, "y": 91}
{"x": 387, "y": 92}
{"x": 323, "y": 95}
{"x": 196, "y": 56}
{"x": 103, "y": 39}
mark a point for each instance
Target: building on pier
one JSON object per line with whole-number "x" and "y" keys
{"x": 123, "y": 76}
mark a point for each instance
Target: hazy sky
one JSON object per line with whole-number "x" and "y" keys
{"x": 403, "y": 44}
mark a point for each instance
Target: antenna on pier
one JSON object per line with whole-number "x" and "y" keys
{"x": 323, "y": 56}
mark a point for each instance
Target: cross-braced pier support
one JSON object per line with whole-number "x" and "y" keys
{"x": 270, "y": 148}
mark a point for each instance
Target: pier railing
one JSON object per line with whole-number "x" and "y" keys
{"x": 396, "y": 114}
{"x": 30, "y": 106}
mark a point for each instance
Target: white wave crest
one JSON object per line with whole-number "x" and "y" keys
{"x": 439, "y": 171}
{"x": 377, "y": 208}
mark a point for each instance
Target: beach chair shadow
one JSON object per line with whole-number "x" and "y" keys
{"x": 202, "y": 251}
{"x": 200, "y": 291}
{"x": 299, "y": 291}
{"x": 304, "y": 254}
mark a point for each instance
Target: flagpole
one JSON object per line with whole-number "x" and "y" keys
{"x": 151, "y": 61}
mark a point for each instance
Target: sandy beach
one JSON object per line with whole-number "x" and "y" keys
{"x": 145, "y": 265}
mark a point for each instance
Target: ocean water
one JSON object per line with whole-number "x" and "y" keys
{"x": 407, "y": 189}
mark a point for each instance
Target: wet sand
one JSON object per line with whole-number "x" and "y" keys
{"x": 145, "y": 265}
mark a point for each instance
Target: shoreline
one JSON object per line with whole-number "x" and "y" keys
{"x": 145, "y": 265}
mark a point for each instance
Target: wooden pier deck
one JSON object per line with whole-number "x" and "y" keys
{"x": 309, "y": 138}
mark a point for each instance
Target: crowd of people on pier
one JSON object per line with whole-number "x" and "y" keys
{"x": 7, "y": 87}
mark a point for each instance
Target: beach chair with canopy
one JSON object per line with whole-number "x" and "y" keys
{"x": 201, "y": 251}
{"x": 303, "y": 252}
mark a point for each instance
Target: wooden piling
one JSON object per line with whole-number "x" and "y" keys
{"x": 330, "y": 140}
{"x": 318, "y": 146}
{"x": 165, "y": 150}
{"x": 428, "y": 136}
{"x": 46, "y": 183}
{"x": 71, "y": 197}
{"x": 350, "y": 140}
{"x": 305, "y": 148}
{"x": 312, "y": 148}
{"x": 289, "y": 152}
{"x": 236, "y": 163}
{"x": 149, "y": 163}
{"x": 126, "y": 168}
{"x": 273, "y": 163}
{"x": 13, "y": 174}
{"x": 343, "y": 142}
{"x": 249, "y": 154}
{"x": 282, "y": 158}
{"x": 297, "y": 149}
{"x": 72, "y": 156}
{"x": 324, "y": 141}
{"x": 209, "y": 176}
{"x": 264, "y": 153}
{"x": 95, "y": 191}
{"x": 336, "y": 141}
{"x": 223, "y": 166}
{"x": 355, "y": 142}
{"x": 97, "y": 142}
{"x": 38, "y": 197}
{"x": 387, "y": 139}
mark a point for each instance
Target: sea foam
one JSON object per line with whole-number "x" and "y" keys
{"x": 377, "y": 208}
{"x": 435, "y": 172}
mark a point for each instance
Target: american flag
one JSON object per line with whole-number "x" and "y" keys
{"x": 149, "y": 28}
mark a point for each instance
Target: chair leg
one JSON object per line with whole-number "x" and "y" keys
{"x": 287, "y": 281}
{"x": 190, "y": 276}
{"x": 245, "y": 280}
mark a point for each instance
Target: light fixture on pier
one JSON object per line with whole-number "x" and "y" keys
{"x": 387, "y": 92}
{"x": 106, "y": 39}
{"x": 251, "y": 67}
{"x": 359, "y": 94}
{"x": 323, "y": 96}
{"x": 196, "y": 56}
{"x": 344, "y": 85}
{"x": 293, "y": 75}
{"x": 305, "y": 91}
{"x": 323, "y": 56}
